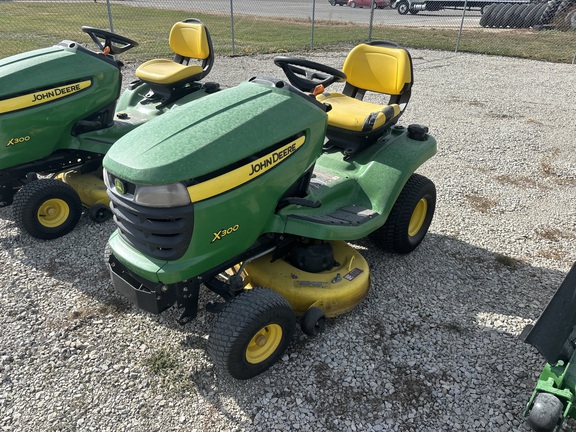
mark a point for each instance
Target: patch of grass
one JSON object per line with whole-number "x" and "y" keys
{"x": 547, "y": 168}
{"x": 111, "y": 307}
{"x": 453, "y": 327}
{"x": 114, "y": 306}
{"x": 546, "y": 162}
{"x": 481, "y": 204}
{"x": 553, "y": 254}
{"x": 523, "y": 182}
{"x": 553, "y": 234}
{"x": 27, "y": 29}
{"x": 506, "y": 261}
{"x": 78, "y": 314}
{"x": 534, "y": 121}
{"x": 162, "y": 362}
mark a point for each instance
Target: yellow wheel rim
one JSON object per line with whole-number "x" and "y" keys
{"x": 418, "y": 217}
{"x": 264, "y": 343}
{"x": 53, "y": 213}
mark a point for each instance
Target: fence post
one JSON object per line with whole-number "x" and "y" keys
{"x": 461, "y": 25}
{"x": 313, "y": 21}
{"x": 232, "y": 22}
{"x": 372, "y": 6}
{"x": 110, "y": 16}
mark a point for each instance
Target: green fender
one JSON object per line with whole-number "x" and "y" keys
{"x": 371, "y": 181}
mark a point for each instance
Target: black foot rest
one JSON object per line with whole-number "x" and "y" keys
{"x": 349, "y": 215}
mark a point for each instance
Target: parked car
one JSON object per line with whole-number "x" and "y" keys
{"x": 338, "y": 2}
{"x": 380, "y": 4}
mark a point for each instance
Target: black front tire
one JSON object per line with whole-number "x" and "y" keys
{"x": 313, "y": 322}
{"x": 99, "y": 213}
{"x": 410, "y": 217}
{"x": 251, "y": 333}
{"x": 545, "y": 413}
{"x": 47, "y": 209}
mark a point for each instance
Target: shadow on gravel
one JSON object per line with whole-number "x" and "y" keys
{"x": 434, "y": 343}
{"x": 436, "y": 338}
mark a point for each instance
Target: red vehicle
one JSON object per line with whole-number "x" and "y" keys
{"x": 380, "y": 4}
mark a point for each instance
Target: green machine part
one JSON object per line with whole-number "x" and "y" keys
{"x": 74, "y": 83}
{"x": 553, "y": 398}
{"x": 371, "y": 182}
{"x": 554, "y": 335}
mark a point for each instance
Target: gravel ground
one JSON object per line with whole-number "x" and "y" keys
{"x": 433, "y": 347}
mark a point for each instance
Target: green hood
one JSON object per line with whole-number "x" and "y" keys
{"x": 211, "y": 133}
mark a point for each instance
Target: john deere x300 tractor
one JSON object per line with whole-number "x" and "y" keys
{"x": 253, "y": 191}
{"x": 61, "y": 111}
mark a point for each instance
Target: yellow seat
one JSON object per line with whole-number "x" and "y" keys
{"x": 379, "y": 67}
{"x": 190, "y": 40}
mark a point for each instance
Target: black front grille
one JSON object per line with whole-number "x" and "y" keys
{"x": 162, "y": 233}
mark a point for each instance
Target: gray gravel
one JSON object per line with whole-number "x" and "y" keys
{"x": 433, "y": 347}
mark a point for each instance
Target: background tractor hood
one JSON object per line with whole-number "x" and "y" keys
{"x": 47, "y": 67}
{"x": 211, "y": 133}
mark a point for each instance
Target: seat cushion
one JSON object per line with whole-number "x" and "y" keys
{"x": 356, "y": 115}
{"x": 190, "y": 40}
{"x": 163, "y": 71}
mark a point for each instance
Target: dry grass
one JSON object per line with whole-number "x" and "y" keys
{"x": 481, "y": 204}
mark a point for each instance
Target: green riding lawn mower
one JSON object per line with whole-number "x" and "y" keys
{"x": 554, "y": 336}
{"x": 253, "y": 191}
{"x": 61, "y": 109}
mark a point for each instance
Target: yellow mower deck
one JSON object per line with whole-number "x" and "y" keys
{"x": 89, "y": 187}
{"x": 335, "y": 292}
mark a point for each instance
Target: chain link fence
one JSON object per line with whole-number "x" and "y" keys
{"x": 523, "y": 28}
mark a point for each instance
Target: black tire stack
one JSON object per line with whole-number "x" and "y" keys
{"x": 525, "y": 15}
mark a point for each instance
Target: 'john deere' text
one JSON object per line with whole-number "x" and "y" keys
{"x": 273, "y": 159}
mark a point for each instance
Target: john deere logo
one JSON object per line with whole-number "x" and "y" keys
{"x": 119, "y": 186}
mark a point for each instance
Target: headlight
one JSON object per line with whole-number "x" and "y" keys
{"x": 172, "y": 195}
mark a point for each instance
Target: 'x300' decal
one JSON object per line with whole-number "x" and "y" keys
{"x": 224, "y": 232}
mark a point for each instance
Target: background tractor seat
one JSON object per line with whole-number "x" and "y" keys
{"x": 189, "y": 39}
{"x": 379, "y": 67}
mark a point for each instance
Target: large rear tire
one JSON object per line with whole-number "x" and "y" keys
{"x": 403, "y": 7}
{"x": 549, "y": 12}
{"x": 485, "y": 19}
{"x": 501, "y": 15}
{"x": 518, "y": 18}
{"x": 410, "y": 218}
{"x": 47, "y": 208}
{"x": 251, "y": 333}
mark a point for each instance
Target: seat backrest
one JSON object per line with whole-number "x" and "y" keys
{"x": 190, "y": 39}
{"x": 379, "y": 66}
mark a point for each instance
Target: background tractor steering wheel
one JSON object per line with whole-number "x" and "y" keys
{"x": 116, "y": 43}
{"x": 305, "y": 75}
